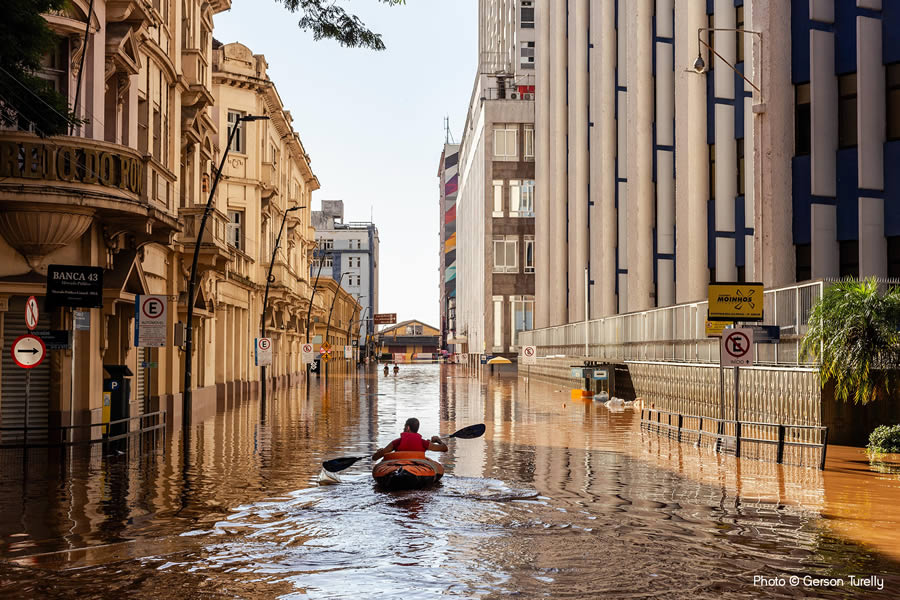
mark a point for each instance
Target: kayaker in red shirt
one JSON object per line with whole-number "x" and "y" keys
{"x": 410, "y": 440}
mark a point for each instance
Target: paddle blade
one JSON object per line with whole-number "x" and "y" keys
{"x": 339, "y": 464}
{"x": 470, "y": 432}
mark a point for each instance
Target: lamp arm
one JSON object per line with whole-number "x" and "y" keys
{"x": 731, "y": 66}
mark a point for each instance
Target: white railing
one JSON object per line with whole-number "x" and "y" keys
{"x": 678, "y": 333}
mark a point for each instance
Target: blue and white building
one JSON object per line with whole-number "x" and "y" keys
{"x": 679, "y": 142}
{"x": 350, "y": 255}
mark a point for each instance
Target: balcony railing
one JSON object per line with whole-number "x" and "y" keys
{"x": 214, "y": 246}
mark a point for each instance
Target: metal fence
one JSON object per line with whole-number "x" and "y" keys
{"x": 678, "y": 332}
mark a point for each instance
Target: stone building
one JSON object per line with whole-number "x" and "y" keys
{"x": 124, "y": 193}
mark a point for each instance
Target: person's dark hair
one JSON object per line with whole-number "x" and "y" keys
{"x": 413, "y": 424}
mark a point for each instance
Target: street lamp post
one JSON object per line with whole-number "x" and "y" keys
{"x": 362, "y": 319}
{"x": 349, "y": 331}
{"x": 186, "y": 405}
{"x": 269, "y": 279}
{"x": 330, "y": 310}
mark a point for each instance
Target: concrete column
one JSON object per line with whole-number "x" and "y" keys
{"x": 543, "y": 204}
{"x": 692, "y": 159}
{"x": 579, "y": 176}
{"x": 872, "y": 243}
{"x": 749, "y": 145}
{"x": 665, "y": 159}
{"x": 823, "y": 106}
{"x": 558, "y": 150}
{"x": 603, "y": 160}
{"x": 221, "y": 343}
{"x": 774, "y": 126}
{"x": 641, "y": 217}
{"x": 824, "y": 255}
{"x": 726, "y": 145}
{"x": 623, "y": 69}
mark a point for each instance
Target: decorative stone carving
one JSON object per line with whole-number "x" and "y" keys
{"x": 35, "y": 231}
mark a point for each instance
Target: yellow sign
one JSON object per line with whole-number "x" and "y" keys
{"x": 325, "y": 346}
{"x": 715, "y": 328}
{"x": 735, "y": 302}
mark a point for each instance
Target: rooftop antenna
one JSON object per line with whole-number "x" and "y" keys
{"x": 448, "y": 137}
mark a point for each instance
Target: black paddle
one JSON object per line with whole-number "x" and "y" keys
{"x": 339, "y": 464}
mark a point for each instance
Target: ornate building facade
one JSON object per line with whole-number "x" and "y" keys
{"x": 125, "y": 193}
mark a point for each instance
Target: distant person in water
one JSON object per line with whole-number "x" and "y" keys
{"x": 386, "y": 368}
{"x": 410, "y": 440}
{"x": 396, "y": 368}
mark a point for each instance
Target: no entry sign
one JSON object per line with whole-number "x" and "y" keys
{"x": 309, "y": 356}
{"x": 28, "y": 351}
{"x": 31, "y": 313}
{"x": 529, "y": 355}
{"x": 737, "y": 347}
{"x": 150, "y": 321}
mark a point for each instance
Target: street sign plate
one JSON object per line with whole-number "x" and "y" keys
{"x": 385, "y": 318}
{"x": 54, "y": 339}
{"x": 735, "y": 302}
{"x": 601, "y": 374}
{"x": 82, "y": 320}
{"x": 74, "y": 286}
{"x": 348, "y": 351}
{"x": 715, "y": 328}
{"x": 28, "y": 351}
{"x": 31, "y": 313}
{"x": 529, "y": 355}
{"x": 766, "y": 334}
{"x": 263, "y": 352}
{"x": 737, "y": 347}
{"x": 577, "y": 372}
{"x": 325, "y": 347}
{"x": 309, "y": 355}
{"x": 150, "y": 321}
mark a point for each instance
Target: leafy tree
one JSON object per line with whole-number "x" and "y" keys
{"x": 856, "y": 327}
{"x": 25, "y": 38}
{"x": 326, "y": 20}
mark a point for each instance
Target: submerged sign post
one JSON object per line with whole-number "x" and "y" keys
{"x": 150, "y": 321}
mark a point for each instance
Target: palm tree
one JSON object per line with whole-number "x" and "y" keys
{"x": 856, "y": 329}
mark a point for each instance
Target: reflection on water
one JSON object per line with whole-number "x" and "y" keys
{"x": 560, "y": 498}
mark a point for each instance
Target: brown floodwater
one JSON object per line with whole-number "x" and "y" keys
{"x": 560, "y": 498}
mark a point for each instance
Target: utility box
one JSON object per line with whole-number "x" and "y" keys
{"x": 118, "y": 386}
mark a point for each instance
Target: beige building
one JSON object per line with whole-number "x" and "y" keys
{"x": 125, "y": 192}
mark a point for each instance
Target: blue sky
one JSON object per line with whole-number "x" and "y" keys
{"x": 373, "y": 122}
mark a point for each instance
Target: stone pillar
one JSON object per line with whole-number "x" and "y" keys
{"x": 558, "y": 166}
{"x": 543, "y": 201}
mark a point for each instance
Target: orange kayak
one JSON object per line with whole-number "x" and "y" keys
{"x": 406, "y": 471}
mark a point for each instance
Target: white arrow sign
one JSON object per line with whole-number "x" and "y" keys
{"x": 28, "y": 351}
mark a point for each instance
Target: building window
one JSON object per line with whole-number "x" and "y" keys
{"x": 893, "y": 101}
{"x": 414, "y": 330}
{"x": 521, "y": 198}
{"x": 893, "y": 250}
{"x": 526, "y": 55}
{"x": 498, "y": 323}
{"x": 238, "y": 144}
{"x": 848, "y": 251}
{"x": 802, "y": 121}
{"x": 55, "y": 67}
{"x": 522, "y": 315}
{"x": 529, "y": 254}
{"x": 529, "y": 141}
{"x": 527, "y": 14}
{"x": 327, "y": 244}
{"x": 847, "y": 134}
{"x": 506, "y": 254}
{"x": 803, "y": 262}
{"x": 235, "y": 229}
{"x": 740, "y": 167}
{"x": 712, "y": 171}
{"x": 741, "y": 37}
{"x": 505, "y": 140}
{"x": 498, "y": 198}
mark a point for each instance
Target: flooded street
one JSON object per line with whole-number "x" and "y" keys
{"x": 560, "y": 499}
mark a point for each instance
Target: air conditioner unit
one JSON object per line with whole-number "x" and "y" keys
{"x": 527, "y": 96}
{"x": 514, "y": 96}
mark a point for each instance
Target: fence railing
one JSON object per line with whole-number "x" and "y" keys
{"x": 678, "y": 332}
{"x": 803, "y": 445}
{"x": 98, "y": 433}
